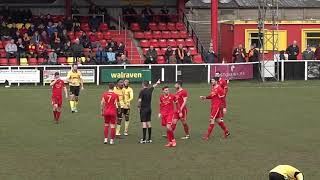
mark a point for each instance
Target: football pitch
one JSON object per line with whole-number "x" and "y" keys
{"x": 270, "y": 124}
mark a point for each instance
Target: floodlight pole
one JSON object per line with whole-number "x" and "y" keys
{"x": 214, "y": 24}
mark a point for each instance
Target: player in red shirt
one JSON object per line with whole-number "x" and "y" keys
{"x": 56, "y": 99}
{"x": 181, "y": 114}
{"x": 167, "y": 102}
{"x": 109, "y": 104}
{"x": 217, "y": 93}
{"x": 224, "y": 85}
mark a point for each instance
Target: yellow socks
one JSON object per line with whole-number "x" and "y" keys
{"x": 118, "y": 130}
{"x": 72, "y": 105}
{"x": 126, "y": 126}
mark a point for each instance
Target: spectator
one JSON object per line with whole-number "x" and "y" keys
{"x": 293, "y": 51}
{"x": 144, "y": 22}
{"x": 101, "y": 56}
{"x": 45, "y": 38}
{"x": 32, "y": 50}
{"x": 84, "y": 40}
{"x": 77, "y": 49}
{"x": 35, "y": 38}
{"x": 308, "y": 54}
{"x": 151, "y": 56}
{"x": 51, "y": 29}
{"x": 239, "y": 54}
{"x": 94, "y": 22}
{"x": 317, "y": 53}
{"x": 68, "y": 23}
{"x": 21, "y": 48}
{"x": 147, "y": 11}
{"x": 66, "y": 49}
{"x": 111, "y": 56}
{"x": 283, "y": 55}
{"x": 52, "y": 57}
{"x": 211, "y": 56}
{"x": 121, "y": 49}
{"x": 253, "y": 54}
{"x": 93, "y": 39}
{"x": 64, "y": 36}
{"x": 90, "y": 61}
{"x": 168, "y": 54}
{"x": 93, "y": 9}
{"x": 123, "y": 59}
{"x": 187, "y": 58}
{"x": 4, "y": 31}
{"x": 180, "y": 53}
{"x": 13, "y": 29}
{"x": 23, "y": 29}
{"x": 31, "y": 30}
{"x": 60, "y": 27}
{"x": 16, "y": 36}
{"x": 164, "y": 14}
{"x": 11, "y": 49}
{"x": 112, "y": 44}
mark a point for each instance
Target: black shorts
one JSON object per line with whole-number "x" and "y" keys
{"x": 126, "y": 112}
{"x": 275, "y": 176}
{"x": 145, "y": 115}
{"x": 75, "y": 90}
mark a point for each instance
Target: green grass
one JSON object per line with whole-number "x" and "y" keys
{"x": 270, "y": 124}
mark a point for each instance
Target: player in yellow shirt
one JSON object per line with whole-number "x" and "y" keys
{"x": 128, "y": 97}
{"x": 75, "y": 80}
{"x": 119, "y": 90}
{"x": 285, "y": 172}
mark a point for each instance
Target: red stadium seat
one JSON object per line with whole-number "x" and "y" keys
{"x": 154, "y": 43}
{"x": 3, "y": 62}
{"x": 5, "y": 43}
{"x": 99, "y": 35}
{"x": 85, "y": 27}
{"x": 162, "y": 26}
{"x": 148, "y": 35}
{"x": 163, "y": 50}
{"x": 171, "y": 26}
{"x": 172, "y": 43}
{"x": 144, "y": 50}
{"x": 197, "y": 59}
{"x": 103, "y": 43}
{"x": 161, "y": 60}
{"x": 107, "y": 35}
{"x": 183, "y": 34}
{"x": 156, "y": 35}
{"x": 193, "y": 51}
{"x": 180, "y": 26}
{"x": 1, "y": 45}
{"x": 139, "y": 35}
{"x": 135, "y": 27}
{"x": 189, "y": 42}
{"x": 166, "y": 34}
{"x": 41, "y": 61}
{"x": 78, "y": 34}
{"x": 180, "y": 41}
{"x": 103, "y": 27}
{"x": 71, "y": 35}
{"x": 163, "y": 43}
{"x": 175, "y": 35}
{"x": 93, "y": 37}
{"x": 144, "y": 43}
{"x": 159, "y": 53}
{"x": 2, "y": 53}
{"x": 62, "y": 60}
{"x": 13, "y": 62}
{"x": 32, "y": 61}
{"x": 153, "y": 26}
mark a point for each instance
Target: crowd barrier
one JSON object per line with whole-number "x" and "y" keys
{"x": 169, "y": 73}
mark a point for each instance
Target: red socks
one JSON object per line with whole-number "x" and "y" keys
{"x": 106, "y": 131}
{"x": 170, "y": 135}
{"x": 113, "y": 133}
{"x": 186, "y": 128}
{"x": 56, "y": 115}
{"x": 210, "y": 129}
{"x": 223, "y": 126}
{"x": 173, "y": 127}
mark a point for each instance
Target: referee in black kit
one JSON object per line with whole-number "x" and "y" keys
{"x": 144, "y": 106}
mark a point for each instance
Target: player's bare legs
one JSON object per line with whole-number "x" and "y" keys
{"x": 185, "y": 128}
{"x": 223, "y": 127}
{"x": 55, "y": 112}
{"x": 210, "y": 129}
{"x": 170, "y": 137}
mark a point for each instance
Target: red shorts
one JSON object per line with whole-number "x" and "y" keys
{"x": 184, "y": 115}
{"x": 216, "y": 113}
{"x": 56, "y": 100}
{"x": 110, "y": 119}
{"x": 167, "y": 119}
